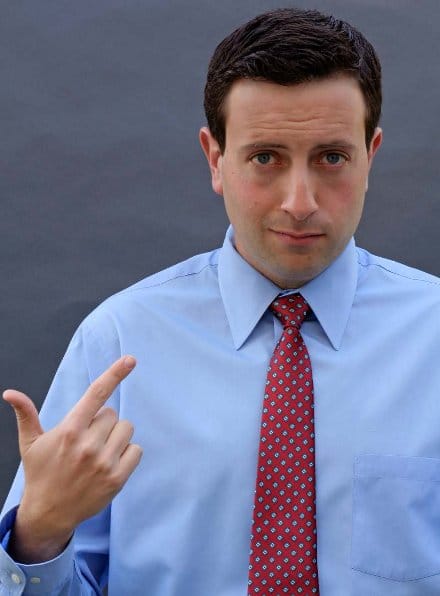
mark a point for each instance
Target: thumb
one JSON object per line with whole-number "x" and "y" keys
{"x": 28, "y": 423}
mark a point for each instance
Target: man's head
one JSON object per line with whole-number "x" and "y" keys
{"x": 292, "y": 100}
{"x": 290, "y": 46}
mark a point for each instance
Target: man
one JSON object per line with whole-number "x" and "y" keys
{"x": 329, "y": 481}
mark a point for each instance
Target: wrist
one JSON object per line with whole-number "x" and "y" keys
{"x": 34, "y": 540}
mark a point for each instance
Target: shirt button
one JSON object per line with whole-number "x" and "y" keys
{"x": 15, "y": 578}
{"x": 35, "y": 580}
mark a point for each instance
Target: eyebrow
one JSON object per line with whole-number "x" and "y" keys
{"x": 336, "y": 144}
{"x": 265, "y": 145}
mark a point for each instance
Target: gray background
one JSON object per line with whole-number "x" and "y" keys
{"x": 102, "y": 179}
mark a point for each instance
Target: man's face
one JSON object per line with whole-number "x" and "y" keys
{"x": 293, "y": 174}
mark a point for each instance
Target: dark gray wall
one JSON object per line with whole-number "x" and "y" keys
{"x": 102, "y": 180}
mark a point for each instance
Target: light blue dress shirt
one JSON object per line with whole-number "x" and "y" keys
{"x": 203, "y": 338}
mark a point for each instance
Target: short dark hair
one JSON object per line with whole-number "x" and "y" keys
{"x": 289, "y": 46}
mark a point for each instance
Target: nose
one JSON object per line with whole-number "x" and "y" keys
{"x": 299, "y": 198}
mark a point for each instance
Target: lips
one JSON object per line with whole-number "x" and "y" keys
{"x": 298, "y": 235}
{"x": 298, "y": 240}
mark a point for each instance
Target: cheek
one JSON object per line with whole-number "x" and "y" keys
{"x": 345, "y": 194}
{"x": 348, "y": 211}
{"x": 243, "y": 196}
{"x": 341, "y": 204}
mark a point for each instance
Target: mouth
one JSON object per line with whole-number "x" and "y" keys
{"x": 294, "y": 238}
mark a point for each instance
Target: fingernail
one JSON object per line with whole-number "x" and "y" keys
{"x": 129, "y": 362}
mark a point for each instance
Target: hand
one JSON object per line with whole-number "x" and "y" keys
{"x": 72, "y": 471}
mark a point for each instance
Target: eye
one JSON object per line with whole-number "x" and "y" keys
{"x": 334, "y": 159}
{"x": 262, "y": 158}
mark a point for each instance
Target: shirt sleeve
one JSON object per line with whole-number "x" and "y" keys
{"x": 82, "y": 569}
{"x": 52, "y": 577}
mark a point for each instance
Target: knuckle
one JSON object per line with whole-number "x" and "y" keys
{"x": 104, "y": 467}
{"x": 69, "y": 435}
{"x": 134, "y": 453}
{"x": 108, "y": 414}
{"x": 127, "y": 426}
{"x": 87, "y": 452}
{"x": 138, "y": 450}
{"x": 111, "y": 412}
{"x": 99, "y": 389}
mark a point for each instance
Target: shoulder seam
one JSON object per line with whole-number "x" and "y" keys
{"x": 161, "y": 283}
{"x": 427, "y": 281}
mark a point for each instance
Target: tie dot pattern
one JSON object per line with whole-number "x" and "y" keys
{"x": 283, "y": 540}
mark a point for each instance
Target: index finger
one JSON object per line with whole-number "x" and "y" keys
{"x": 100, "y": 390}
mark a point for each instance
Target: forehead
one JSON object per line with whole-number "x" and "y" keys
{"x": 322, "y": 107}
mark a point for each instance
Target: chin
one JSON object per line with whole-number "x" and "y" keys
{"x": 296, "y": 277}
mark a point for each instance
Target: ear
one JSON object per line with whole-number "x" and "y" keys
{"x": 211, "y": 149}
{"x": 376, "y": 142}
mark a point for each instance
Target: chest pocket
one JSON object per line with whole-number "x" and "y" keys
{"x": 396, "y": 517}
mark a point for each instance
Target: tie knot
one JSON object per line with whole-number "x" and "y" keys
{"x": 291, "y": 310}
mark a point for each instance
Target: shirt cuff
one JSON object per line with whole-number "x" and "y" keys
{"x": 39, "y": 578}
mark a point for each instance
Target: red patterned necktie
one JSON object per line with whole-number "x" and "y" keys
{"x": 283, "y": 541}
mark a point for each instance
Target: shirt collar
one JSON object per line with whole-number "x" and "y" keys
{"x": 247, "y": 294}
